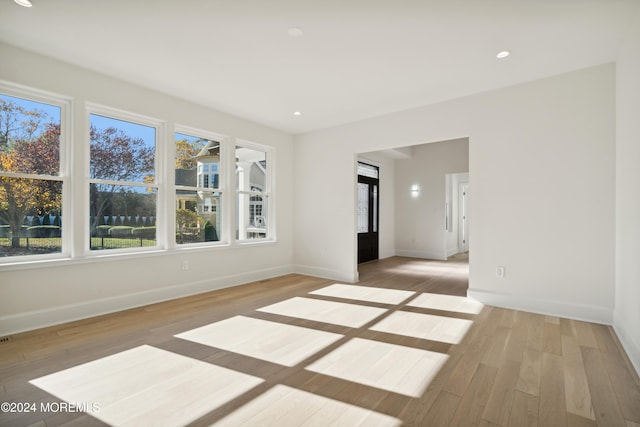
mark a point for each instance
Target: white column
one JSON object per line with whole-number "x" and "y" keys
{"x": 244, "y": 176}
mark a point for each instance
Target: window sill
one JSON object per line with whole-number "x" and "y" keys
{"x": 107, "y": 257}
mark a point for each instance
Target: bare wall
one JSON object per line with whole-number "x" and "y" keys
{"x": 420, "y": 225}
{"x": 36, "y": 295}
{"x": 627, "y": 304}
{"x": 552, "y": 227}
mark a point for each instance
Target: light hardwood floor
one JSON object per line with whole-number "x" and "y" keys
{"x": 402, "y": 347}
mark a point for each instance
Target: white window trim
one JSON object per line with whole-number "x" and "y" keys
{"x": 223, "y": 188}
{"x": 159, "y": 185}
{"x": 65, "y": 103}
{"x": 268, "y": 193}
{"x": 75, "y": 171}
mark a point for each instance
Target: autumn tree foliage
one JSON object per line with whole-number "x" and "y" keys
{"x": 18, "y": 123}
{"x": 30, "y": 145}
{"x": 119, "y": 158}
{"x": 24, "y": 151}
{"x": 186, "y": 152}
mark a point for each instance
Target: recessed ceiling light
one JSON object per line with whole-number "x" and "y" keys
{"x": 23, "y": 3}
{"x": 295, "y": 32}
{"x": 297, "y": 113}
{"x": 503, "y": 54}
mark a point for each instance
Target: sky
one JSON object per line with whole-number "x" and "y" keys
{"x": 52, "y": 111}
{"x": 146, "y": 133}
{"x": 135, "y": 130}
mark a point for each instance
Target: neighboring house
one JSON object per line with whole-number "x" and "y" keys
{"x": 207, "y": 175}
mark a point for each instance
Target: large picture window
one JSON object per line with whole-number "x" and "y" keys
{"x": 198, "y": 167}
{"x": 252, "y": 193}
{"x": 123, "y": 189}
{"x": 32, "y": 177}
{"x": 124, "y": 200}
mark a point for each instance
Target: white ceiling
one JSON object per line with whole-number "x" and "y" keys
{"x": 356, "y": 59}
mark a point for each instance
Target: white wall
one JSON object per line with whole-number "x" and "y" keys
{"x": 627, "y": 311}
{"x": 420, "y": 224}
{"x": 553, "y": 227}
{"x": 54, "y": 292}
{"x": 386, "y": 217}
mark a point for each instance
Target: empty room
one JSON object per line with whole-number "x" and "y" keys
{"x": 290, "y": 213}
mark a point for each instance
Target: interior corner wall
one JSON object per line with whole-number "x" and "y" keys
{"x": 542, "y": 166}
{"x": 41, "y": 294}
{"x": 627, "y": 302}
{"x": 420, "y": 220}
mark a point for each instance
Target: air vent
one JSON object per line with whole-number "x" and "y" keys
{"x": 5, "y": 340}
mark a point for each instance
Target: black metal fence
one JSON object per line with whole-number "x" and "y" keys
{"x": 42, "y": 234}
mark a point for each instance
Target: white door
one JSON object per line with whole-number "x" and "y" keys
{"x": 463, "y": 221}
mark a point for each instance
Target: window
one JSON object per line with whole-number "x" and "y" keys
{"x": 32, "y": 175}
{"x": 198, "y": 218}
{"x": 123, "y": 189}
{"x": 124, "y": 204}
{"x": 367, "y": 170}
{"x": 252, "y": 178}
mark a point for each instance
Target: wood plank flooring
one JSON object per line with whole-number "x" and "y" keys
{"x": 402, "y": 347}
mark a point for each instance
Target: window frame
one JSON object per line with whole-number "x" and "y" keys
{"x": 222, "y": 189}
{"x": 267, "y": 193}
{"x": 65, "y": 103}
{"x": 159, "y": 184}
{"x": 74, "y": 175}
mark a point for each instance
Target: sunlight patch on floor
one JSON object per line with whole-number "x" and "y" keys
{"x": 337, "y": 313}
{"x": 447, "y": 303}
{"x": 286, "y": 406}
{"x": 365, "y": 293}
{"x": 435, "y": 269}
{"x": 391, "y": 367}
{"x": 147, "y": 386}
{"x": 426, "y": 326}
{"x": 271, "y": 341}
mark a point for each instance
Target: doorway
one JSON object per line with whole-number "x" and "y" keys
{"x": 368, "y": 208}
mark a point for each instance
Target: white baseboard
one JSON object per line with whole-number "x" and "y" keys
{"x": 27, "y": 321}
{"x": 326, "y": 273}
{"x": 630, "y": 347}
{"x": 420, "y": 254}
{"x": 589, "y": 313}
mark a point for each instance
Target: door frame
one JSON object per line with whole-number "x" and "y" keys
{"x": 371, "y": 217}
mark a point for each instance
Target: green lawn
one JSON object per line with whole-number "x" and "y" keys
{"x": 36, "y": 245}
{"x": 43, "y": 245}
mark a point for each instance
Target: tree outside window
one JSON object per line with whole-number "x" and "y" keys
{"x": 30, "y": 181}
{"x": 122, "y": 184}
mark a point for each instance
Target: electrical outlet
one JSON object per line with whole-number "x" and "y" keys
{"x": 185, "y": 265}
{"x": 500, "y": 270}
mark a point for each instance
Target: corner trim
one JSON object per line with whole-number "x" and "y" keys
{"x": 630, "y": 347}
{"x": 589, "y": 313}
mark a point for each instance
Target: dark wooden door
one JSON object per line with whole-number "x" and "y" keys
{"x": 368, "y": 204}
